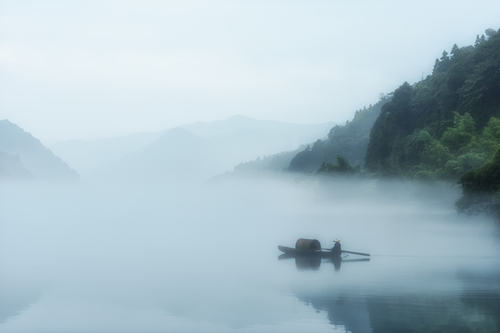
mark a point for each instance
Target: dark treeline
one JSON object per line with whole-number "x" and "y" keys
{"x": 349, "y": 141}
{"x": 446, "y": 124}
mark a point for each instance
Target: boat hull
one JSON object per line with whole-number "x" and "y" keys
{"x": 290, "y": 251}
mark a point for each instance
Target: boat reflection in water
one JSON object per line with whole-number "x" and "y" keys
{"x": 313, "y": 262}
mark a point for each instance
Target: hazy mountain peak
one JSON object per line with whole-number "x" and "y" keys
{"x": 12, "y": 137}
{"x": 6, "y": 121}
{"x": 177, "y": 131}
{"x": 33, "y": 155}
{"x": 176, "y": 136}
{"x": 240, "y": 117}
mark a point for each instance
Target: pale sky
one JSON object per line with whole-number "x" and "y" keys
{"x": 99, "y": 68}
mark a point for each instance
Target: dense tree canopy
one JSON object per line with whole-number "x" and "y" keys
{"x": 485, "y": 179}
{"x": 446, "y": 124}
{"x": 342, "y": 167}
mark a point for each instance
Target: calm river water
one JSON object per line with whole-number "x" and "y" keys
{"x": 181, "y": 258}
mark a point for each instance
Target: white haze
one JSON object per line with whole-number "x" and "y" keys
{"x": 97, "y": 257}
{"x": 89, "y": 69}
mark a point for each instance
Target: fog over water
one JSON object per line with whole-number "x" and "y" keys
{"x": 98, "y": 257}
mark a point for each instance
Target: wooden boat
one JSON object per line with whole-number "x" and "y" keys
{"x": 312, "y": 247}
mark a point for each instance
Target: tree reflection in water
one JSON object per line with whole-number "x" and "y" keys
{"x": 476, "y": 309}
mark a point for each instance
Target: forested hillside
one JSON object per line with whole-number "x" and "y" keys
{"x": 349, "y": 141}
{"x": 446, "y": 124}
{"x": 275, "y": 162}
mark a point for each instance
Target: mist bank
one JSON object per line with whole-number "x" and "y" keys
{"x": 203, "y": 257}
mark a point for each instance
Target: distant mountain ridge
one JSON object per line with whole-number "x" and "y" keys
{"x": 103, "y": 151}
{"x": 23, "y": 155}
{"x": 197, "y": 150}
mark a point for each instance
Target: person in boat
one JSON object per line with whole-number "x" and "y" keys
{"x": 337, "y": 249}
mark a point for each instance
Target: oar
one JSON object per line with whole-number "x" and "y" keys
{"x": 356, "y": 260}
{"x": 358, "y": 253}
{"x": 351, "y": 252}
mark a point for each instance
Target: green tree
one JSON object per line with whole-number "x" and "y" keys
{"x": 489, "y": 141}
{"x": 460, "y": 135}
{"x": 435, "y": 155}
{"x": 483, "y": 179}
{"x": 342, "y": 166}
{"x": 490, "y": 32}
